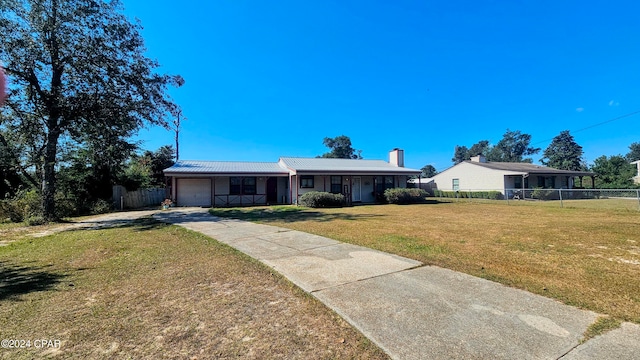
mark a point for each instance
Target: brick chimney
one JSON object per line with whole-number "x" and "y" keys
{"x": 396, "y": 157}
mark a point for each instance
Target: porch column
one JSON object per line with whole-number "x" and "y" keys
{"x": 174, "y": 189}
{"x": 213, "y": 191}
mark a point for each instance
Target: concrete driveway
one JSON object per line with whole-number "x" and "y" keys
{"x": 414, "y": 311}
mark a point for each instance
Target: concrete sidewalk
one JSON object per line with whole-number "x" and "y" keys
{"x": 413, "y": 311}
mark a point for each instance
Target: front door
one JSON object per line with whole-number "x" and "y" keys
{"x": 272, "y": 190}
{"x": 356, "y": 189}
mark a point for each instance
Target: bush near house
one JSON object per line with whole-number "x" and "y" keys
{"x": 404, "y": 196}
{"x": 544, "y": 194}
{"x": 491, "y": 195}
{"x": 319, "y": 199}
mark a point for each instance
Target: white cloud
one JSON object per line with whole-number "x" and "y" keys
{"x": 613, "y": 103}
{"x": 579, "y": 109}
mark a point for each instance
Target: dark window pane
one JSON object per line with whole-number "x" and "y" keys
{"x": 249, "y": 186}
{"x": 336, "y": 184}
{"x": 235, "y": 185}
{"x": 306, "y": 181}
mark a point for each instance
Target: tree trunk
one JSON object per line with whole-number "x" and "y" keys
{"x": 49, "y": 176}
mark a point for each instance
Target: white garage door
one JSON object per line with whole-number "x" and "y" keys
{"x": 194, "y": 192}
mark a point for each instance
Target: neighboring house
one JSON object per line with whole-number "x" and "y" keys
{"x": 481, "y": 175}
{"x": 636, "y": 179}
{"x": 224, "y": 183}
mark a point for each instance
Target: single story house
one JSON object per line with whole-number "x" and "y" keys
{"x": 238, "y": 183}
{"x": 481, "y": 175}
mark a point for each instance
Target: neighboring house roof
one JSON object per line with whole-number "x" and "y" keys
{"x": 343, "y": 166}
{"x": 225, "y": 167}
{"x": 527, "y": 168}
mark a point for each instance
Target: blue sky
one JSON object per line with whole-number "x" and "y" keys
{"x": 266, "y": 79}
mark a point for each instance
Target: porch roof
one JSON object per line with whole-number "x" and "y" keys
{"x": 344, "y": 166}
{"x": 527, "y": 168}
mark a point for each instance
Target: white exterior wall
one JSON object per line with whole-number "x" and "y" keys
{"x": 471, "y": 177}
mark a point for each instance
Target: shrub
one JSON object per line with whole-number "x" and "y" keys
{"x": 404, "y": 196}
{"x": 491, "y": 195}
{"x": 35, "y": 220}
{"x": 24, "y": 205}
{"x": 101, "y": 206}
{"x": 319, "y": 199}
{"x": 543, "y": 194}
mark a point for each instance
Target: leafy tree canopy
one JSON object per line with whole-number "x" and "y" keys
{"x": 563, "y": 153}
{"x": 462, "y": 153}
{"x": 145, "y": 171}
{"x": 340, "y": 147}
{"x": 613, "y": 172}
{"x": 634, "y": 152}
{"x": 513, "y": 147}
{"x": 75, "y": 68}
{"x": 429, "y": 171}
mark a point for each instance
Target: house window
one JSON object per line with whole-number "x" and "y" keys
{"x": 455, "y": 184}
{"x": 235, "y": 186}
{"x": 517, "y": 183}
{"x": 249, "y": 186}
{"x": 242, "y": 186}
{"x": 388, "y": 182}
{"x": 306, "y": 181}
{"x": 336, "y": 184}
{"x": 383, "y": 183}
{"x": 547, "y": 182}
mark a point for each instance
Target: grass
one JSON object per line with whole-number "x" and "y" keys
{"x": 600, "y": 326}
{"x": 588, "y": 258}
{"x": 149, "y": 290}
{"x": 596, "y": 204}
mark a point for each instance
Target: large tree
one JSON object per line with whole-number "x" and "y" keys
{"x": 75, "y": 67}
{"x": 563, "y": 153}
{"x": 513, "y": 147}
{"x": 462, "y": 153}
{"x": 613, "y": 172}
{"x": 429, "y": 171}
{"x": 340, "y": 147}
{"x": 634, "y": 152}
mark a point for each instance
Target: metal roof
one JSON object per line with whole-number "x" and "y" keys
{"x": 528, "y": 168}
{"x": 343, "y": 165}
{"x": 225, "y": 167}
{"x": 287, "y": 165}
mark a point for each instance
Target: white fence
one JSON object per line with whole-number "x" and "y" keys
{"x": 123, "y": 199}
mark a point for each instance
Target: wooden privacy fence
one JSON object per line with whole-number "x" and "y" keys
{"x": 123, "y": 199}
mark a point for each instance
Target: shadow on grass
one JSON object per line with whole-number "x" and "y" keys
{"x": 285, "y": 214}
{"x": 140, "y": 224}
{"x": 16, "y": 280}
